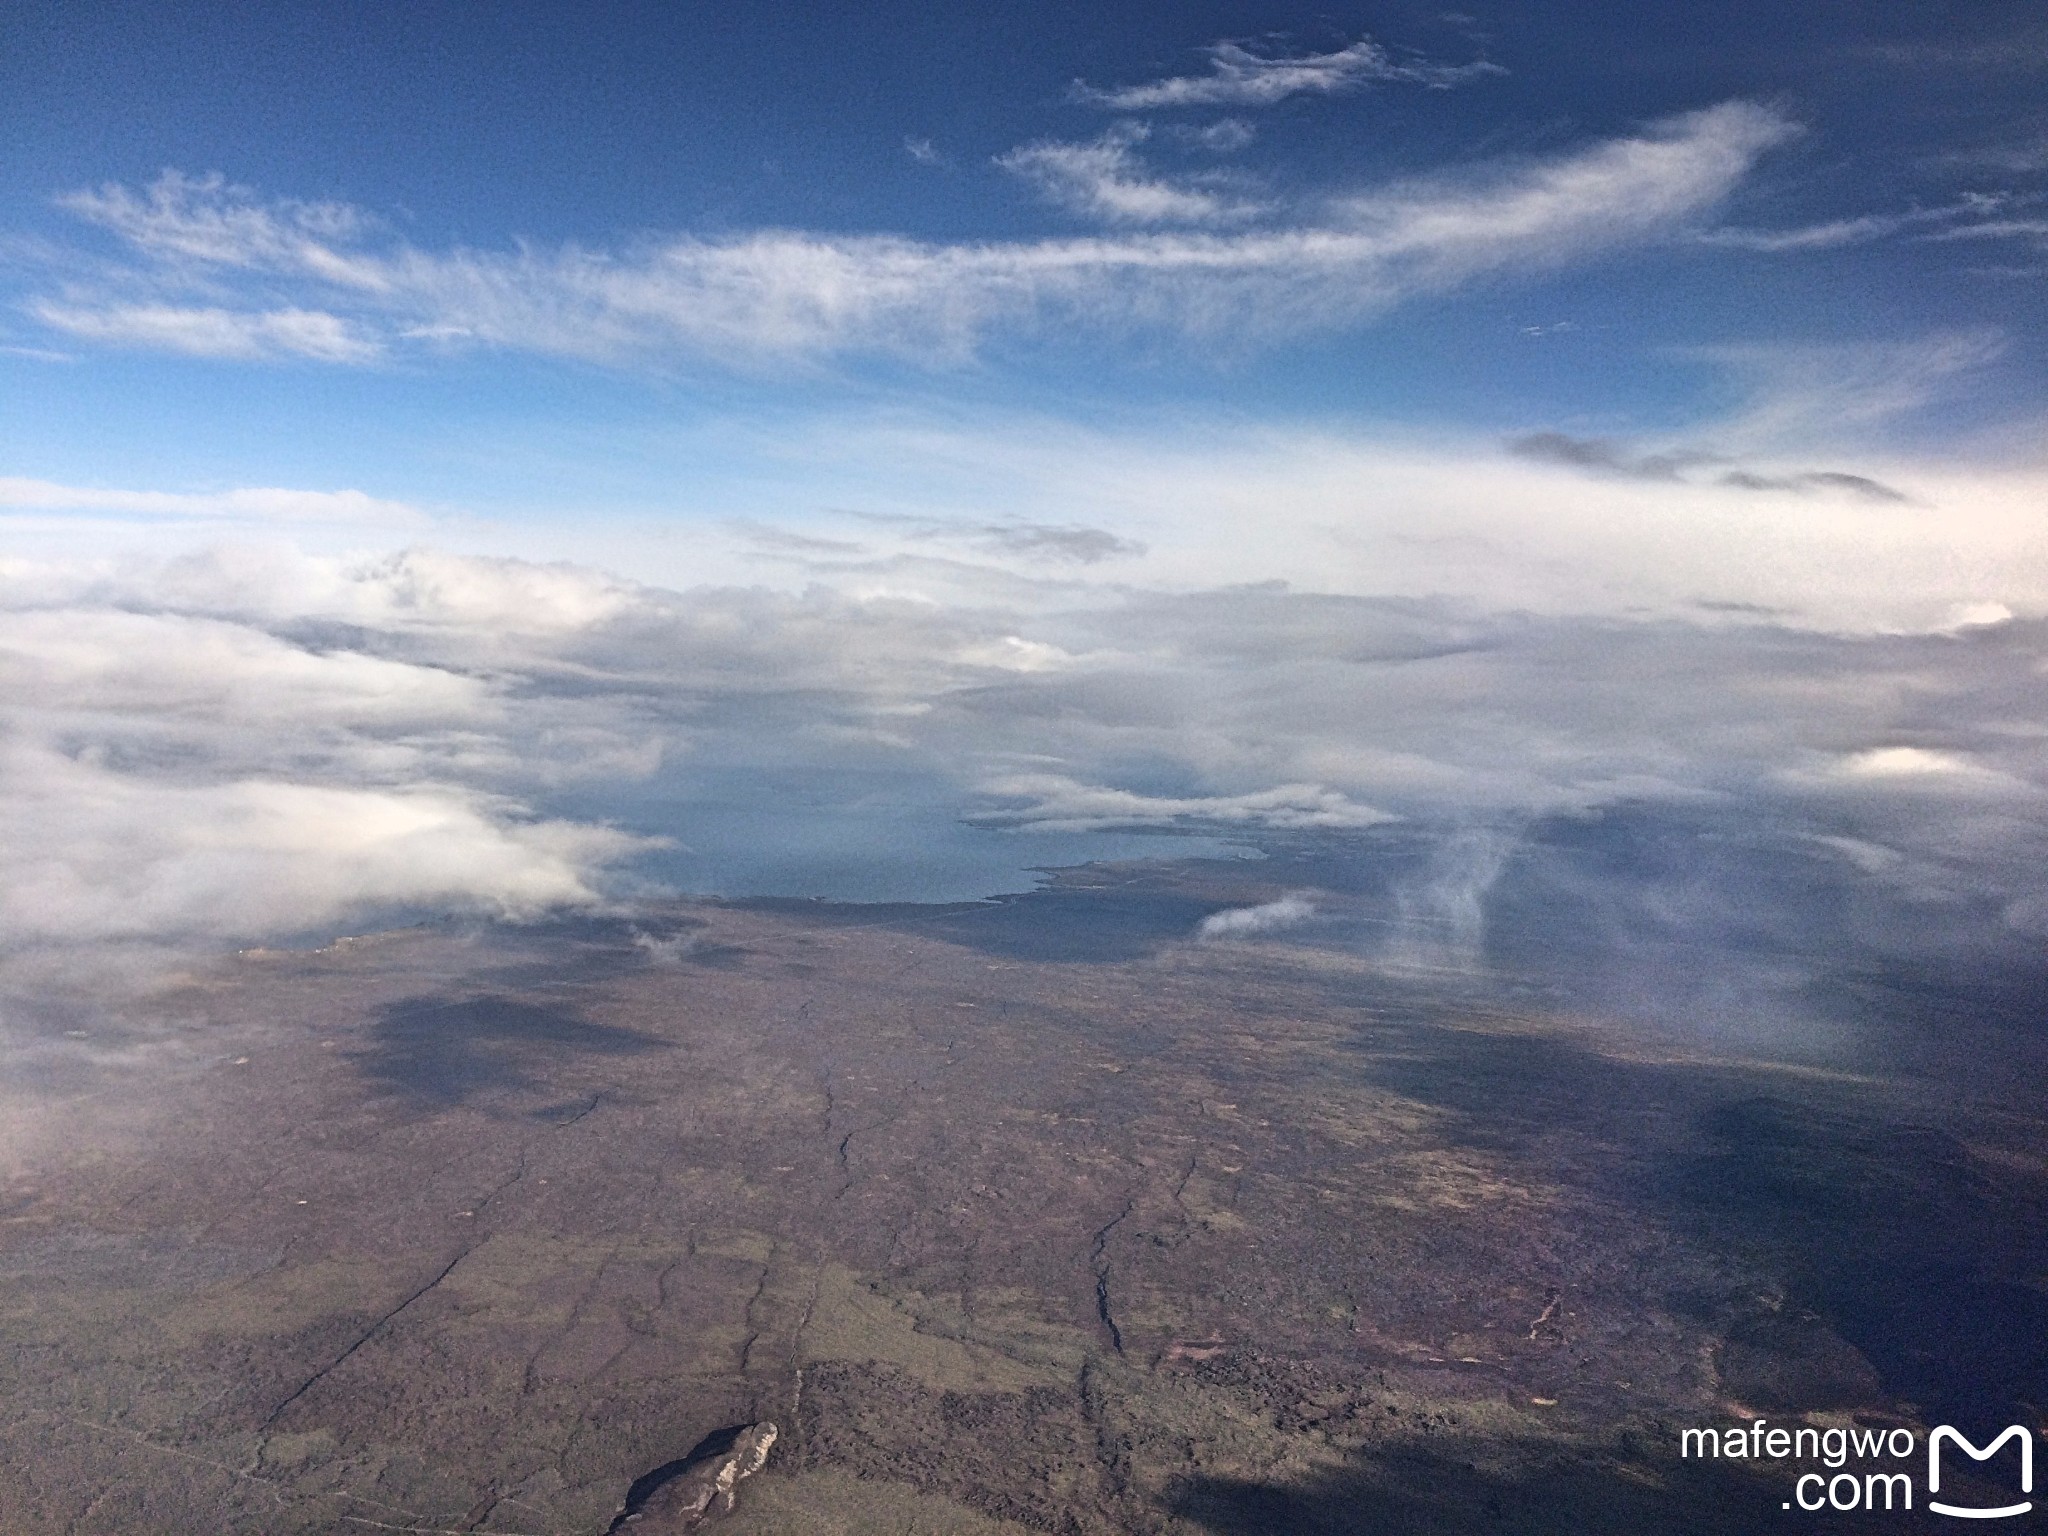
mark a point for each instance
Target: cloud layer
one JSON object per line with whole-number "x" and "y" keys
{"x": 242, "y": 743}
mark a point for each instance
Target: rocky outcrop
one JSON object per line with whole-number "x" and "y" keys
{"x": 702, "y": 1486}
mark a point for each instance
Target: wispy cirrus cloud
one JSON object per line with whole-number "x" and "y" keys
{"x": 205, "y": 219}
{"x": 1798, "y": 390}
{"x": 2021, "y": 155}
{"x": 1826, "y": 235}
{"x": 2035, "y": 230}
{"x": 785, "y": 295}
{"x": 1103, "y": 179}
{"x": 1969, "y": 216}
{"x": 1239, "y": 77}
{"x": 1225, "y": 136}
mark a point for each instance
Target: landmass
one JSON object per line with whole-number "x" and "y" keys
{"x": 1041, "y": 1215}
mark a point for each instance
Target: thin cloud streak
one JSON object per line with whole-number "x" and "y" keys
{"x": 1604, "y": 457}
{"x": 1048, "y": 802}
{"x": 1834, "y": 233}
{"x": 1238, "y": 77}
{"x": 248, "y": 504}
{"x": 240, "y": 335}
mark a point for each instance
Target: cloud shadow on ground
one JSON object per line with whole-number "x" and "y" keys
{"x": 440, "y": 1052}
{"x": 1884, "y": 1222}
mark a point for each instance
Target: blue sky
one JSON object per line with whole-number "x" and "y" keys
{"x": 500, "y": 456}
{"x": 1897, "y": 163}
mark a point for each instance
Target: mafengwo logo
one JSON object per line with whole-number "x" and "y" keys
{"x": 1946, "y": 1435}
{"x": 1879, "y": 1479}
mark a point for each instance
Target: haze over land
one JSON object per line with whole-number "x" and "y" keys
{"x": 1484, "y": 527}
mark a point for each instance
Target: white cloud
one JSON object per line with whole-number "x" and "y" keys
{"x": 1103, "y": 179}
{"x": 1811, "y": 237}
{"x": 253, "y": 503}
{"x": 170, "y": 774}
{"x": 1626, "y": 188}
{"x": 241, "y": 335}
{"x": 1964, "y": 773}
{"x": 1013, "y": 653}
{"x": 2018, "y": 157}
{"x": 1238, "y": 77}
{"x": 39, "y": 354}
{"x": 1392, "y": 515}
{"x": 1800, "y": 391}
{"x": 1976, "y": 615}
{"x": 1047, "y": 802}
{"x": 1997, "y": 229}
{"x": 185, "y": 667}
{"x": 426, "y": 587}
{"x": 1267, "y": 917}
{"x": 1863, "y": 228}
{"x": 206, "y": 220}
{"x": 1225, "y": 136}
{"x": 94, "y": 854}
{"x": 1902, "y": 762}
{"x": 1871, "y": 858}
{"x": 785, "y": 295}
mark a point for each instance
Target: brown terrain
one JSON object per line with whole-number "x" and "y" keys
{"x": 1031, "y": 1216}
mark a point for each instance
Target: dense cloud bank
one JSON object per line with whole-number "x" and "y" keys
{"x": 246, "y": 743}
